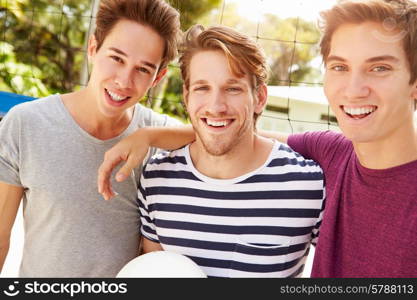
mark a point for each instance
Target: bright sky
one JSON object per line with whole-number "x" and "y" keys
{"x": 306, "y": 9}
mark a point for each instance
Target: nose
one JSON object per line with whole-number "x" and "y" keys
{"x": 123, "y": 78}
{"x": 217, "y": 103}
{"x": 356, "y": 86}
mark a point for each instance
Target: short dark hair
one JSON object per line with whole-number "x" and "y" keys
{"x": 157, "y": 14}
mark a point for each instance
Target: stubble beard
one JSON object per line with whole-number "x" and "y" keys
{"x": 219, "y": 146}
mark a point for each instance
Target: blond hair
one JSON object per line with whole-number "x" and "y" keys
{"x": 243, "y": 54}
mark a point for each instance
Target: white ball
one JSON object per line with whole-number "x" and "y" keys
{"x": 161, "y": 264}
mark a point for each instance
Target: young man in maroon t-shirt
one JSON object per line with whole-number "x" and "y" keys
{"x": 370, "y": 222}
{"x": 369, "y": 227}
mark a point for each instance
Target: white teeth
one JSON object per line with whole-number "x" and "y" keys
{"x": 216, "y": 123}
{"x": 115, "y": 96}
{"x": 359, "y": 111}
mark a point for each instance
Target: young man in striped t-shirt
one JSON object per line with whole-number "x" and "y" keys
{"x": 237, "y": 204}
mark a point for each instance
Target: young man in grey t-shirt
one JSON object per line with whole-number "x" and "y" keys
{"x": 50, "y": 149}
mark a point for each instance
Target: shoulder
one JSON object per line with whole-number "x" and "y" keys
{"x": 34, "y": 107}
{"x": 316, "y": 136}
{"x": 322, "y": 146}
{"x": 167, "y": 168}
{"x": 31, "y": 111}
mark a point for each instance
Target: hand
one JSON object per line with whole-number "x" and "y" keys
{"x": 132, "y": 150}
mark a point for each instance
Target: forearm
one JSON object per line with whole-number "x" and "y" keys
{"x": 4, "y": 249}
{"x": 10, "y": 197}
{"x": 169, "y": 138}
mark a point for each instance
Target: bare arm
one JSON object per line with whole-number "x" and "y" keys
{"x": 10, "y": 197}
{"x": 149, "y": 246}
{"x": 133, "y": 150}
{"x": 282, "y": 137}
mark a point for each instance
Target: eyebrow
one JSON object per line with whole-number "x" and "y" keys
{"x": 149, "y": 64}
{"x": 201, "y": 81}
{"x": 369, "y": 60}
{"x": 229, "y": 81}
{"x": 233, "y": 81}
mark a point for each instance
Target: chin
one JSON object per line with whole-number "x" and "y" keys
{"x": 217, "y": 149}
{"x": 357, "y": 137}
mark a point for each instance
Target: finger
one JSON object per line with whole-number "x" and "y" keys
{"x": 108, "y": 194}
{"x": 104, "y": 172}
{"x": 107, "y": 191}
{"x": 126, "y": 169}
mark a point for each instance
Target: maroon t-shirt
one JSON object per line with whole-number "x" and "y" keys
{"x": 369, "y": 226}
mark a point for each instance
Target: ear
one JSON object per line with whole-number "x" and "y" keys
{"x": 185, "y": 95}
{"x": 414, "y": 91}
{"x": 92, "y": 47}
{"x": 159, "y": 76}
{"x": 261, "y": 98}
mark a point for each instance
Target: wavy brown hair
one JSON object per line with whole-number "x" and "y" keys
{"x": 243, "y": 54}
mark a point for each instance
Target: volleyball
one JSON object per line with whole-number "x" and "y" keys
{"x": 161, "y": 264}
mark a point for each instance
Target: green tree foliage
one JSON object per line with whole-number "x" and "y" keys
{"x": 169, "y": 101}
{"x": 17, "y": 77}
{"x": 192, "y": 10}
{"x": 50, "y": 35}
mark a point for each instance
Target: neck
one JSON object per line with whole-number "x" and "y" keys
{"x": 387, "y": 153}
{"x": 83, "y": 108}
{"x": 244, "y": 157}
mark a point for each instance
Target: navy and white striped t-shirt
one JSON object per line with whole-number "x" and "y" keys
{"x": 260, "y": 224}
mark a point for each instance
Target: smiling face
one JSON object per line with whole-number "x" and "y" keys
{"x": 124, "y": 67}
{"x": 367, "y": 83}
{"x": 220, "y": 104}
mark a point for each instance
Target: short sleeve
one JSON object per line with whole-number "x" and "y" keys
{"x": 154, "y": 119}
{"x": 10, "y": 139}
{"x": 170, "y": 121}
{"x": 148, "y": 228}
{"x": 320, "y": 146}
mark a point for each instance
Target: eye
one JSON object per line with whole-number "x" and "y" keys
{"x": 338, "y": 68}
{"x": 201, "y": 88}
{"x": 116, "y": 58}
{"x": 234, "y": 90}
{"x": 143, "y": 70}
{"x": 380, "y": 69}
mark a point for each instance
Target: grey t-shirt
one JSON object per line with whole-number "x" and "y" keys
{"x": 70, "y": 231}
